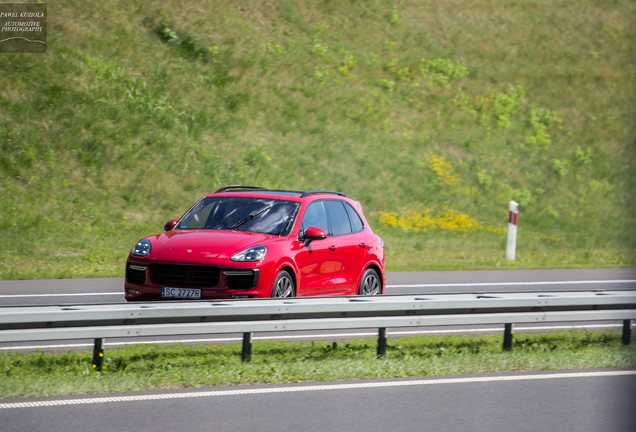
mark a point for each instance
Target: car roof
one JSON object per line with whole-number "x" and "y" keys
{"x": 257, "y": 190}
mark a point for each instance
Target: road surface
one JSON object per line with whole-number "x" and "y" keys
{"x": 110, "y": 290}
{"x": 580, "y": 401}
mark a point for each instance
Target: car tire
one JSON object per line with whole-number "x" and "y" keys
{"x": 284, "y": 285}
{"x": 370, "y": 283}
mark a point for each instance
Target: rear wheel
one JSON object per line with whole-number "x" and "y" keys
{"x": 283, "y": 285}
{"x": 370, "y": 283}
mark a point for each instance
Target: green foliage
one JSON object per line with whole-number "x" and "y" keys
{"x": 166, "y": 33}
{"x": 541, "y": 122}
{"x": 395, "y": 16}
{"x": 443, "y": 70}
{"x": 561, "y": 167}
{"x": 484, "y": 179}
{"x": 582, "y": 156}
{"x": 525, "y": 197}
{"x": 397, "y": 72}
{"x": 189, "y": 46}
{"x": 140, "y": 113}
{"x": 347, "y": 64}
{"x": 321, "y": 74}
{"x": 118, "y": 84}
{"x": 319, "y": 47}
{"x": 147, "y": 367}
{"x": 276, "y": 49}
{"x": 502, "y": 106}
{"x": 386, "y": 84}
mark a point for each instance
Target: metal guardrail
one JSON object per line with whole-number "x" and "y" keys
{"x": 38, "y": 323}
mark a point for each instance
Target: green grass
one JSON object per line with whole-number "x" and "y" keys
{"x": 183, "y": 366}
{"x": 135, "y": 112}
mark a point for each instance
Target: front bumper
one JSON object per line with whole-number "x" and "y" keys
{"x": 145, "y": 281}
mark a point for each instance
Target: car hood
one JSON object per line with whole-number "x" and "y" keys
{"x": 204, "y": 244}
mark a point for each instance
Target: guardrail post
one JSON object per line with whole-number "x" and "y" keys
{"x": 381, "y": 351}
{"x": 246, "y": 353}
{"x": 98, "y": 354}
{"x": 507, "y": 341}
{"x": 627, "y": 332}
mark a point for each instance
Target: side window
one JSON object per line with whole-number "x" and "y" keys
{"x": 315, "y": 216}
{"x": 356, "y": 222}
{"x": 338, "y": 218}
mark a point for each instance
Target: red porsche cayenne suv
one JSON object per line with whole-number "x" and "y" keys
{"x": 244, "y": 242}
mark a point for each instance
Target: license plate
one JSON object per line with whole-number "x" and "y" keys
{"x": 181, "y": 293}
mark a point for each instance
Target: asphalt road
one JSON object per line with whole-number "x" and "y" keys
{"x": 578, "y": 401}
{"x": 110, "y": 290}
{"x": 589, "y": 401}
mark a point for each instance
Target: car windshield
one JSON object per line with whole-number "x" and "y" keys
{"x": 268, "y": 216}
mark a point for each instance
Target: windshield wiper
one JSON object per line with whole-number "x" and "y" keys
{"x": 249, "y": 217}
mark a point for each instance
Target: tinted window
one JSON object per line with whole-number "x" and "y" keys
{"x": 338, "y": 218}
{"x": 356, "y": 222}
{"x": 315, "y": 216}
{"x": 241, "y": 214}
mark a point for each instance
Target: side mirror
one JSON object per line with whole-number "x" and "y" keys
{"x": 313, "y": 233}
{"x": 170, "y": 224}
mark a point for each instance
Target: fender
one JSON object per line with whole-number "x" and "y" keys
{"x": 288, "y": 262}
{"x": 372, "y": 263}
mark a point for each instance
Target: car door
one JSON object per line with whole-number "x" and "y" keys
{"x": 347, "y": 248}
{"x": 313, "y": 260}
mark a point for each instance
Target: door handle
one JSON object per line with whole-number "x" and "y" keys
{"x": 332, "y": 248}
{"x": 362, "y": 245}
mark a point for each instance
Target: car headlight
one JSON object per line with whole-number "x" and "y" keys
{"x": 256, "y": 253}
{"x": 142, "y": 248}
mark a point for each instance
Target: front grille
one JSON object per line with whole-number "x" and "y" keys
{"x": 176, "y": 275}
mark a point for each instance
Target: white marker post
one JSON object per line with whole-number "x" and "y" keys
{"x": 511, "y": 244}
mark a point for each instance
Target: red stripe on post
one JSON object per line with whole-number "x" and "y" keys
{"x": 512, "y": 218}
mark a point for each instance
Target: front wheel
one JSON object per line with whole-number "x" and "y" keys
{"x": 370, "y": 283}
{"x": 283, "y": 285}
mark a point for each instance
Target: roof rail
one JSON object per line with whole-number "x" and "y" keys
{"x": 239, "y": 188}
{"x": 314, "y": 192}
{"x": 259, "y": 188}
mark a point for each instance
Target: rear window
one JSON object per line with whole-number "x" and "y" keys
{"x": 356, "y": 221}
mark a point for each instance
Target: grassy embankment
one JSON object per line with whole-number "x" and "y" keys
{"x": 433, "y": 115}
{"x": 152, "y": 367}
